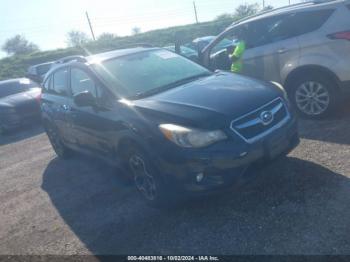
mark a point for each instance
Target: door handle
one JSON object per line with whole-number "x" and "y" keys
{"x": 282, "y": 50}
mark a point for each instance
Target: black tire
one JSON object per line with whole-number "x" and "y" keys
{"x": 56, "y": 142}
{"x": 309, "y": 102}
{"x": 147, "y": 179}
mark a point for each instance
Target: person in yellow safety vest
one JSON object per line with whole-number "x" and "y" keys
{"x": 236, "y": 57}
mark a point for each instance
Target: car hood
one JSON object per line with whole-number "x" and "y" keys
{"x": 211, "y": 100}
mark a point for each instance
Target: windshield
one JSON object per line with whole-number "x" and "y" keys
{"x": 149, "y": 72}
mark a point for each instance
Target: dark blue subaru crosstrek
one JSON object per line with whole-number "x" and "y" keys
{"x": 174, "y": 125}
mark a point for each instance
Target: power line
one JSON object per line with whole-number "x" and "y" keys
{"x": 195, "y": 11}
{"x": 92, "y": 31}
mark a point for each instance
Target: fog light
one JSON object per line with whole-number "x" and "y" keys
{"x": 199, "y": 177}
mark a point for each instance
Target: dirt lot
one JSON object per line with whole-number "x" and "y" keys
{"x": 296, "y": 205}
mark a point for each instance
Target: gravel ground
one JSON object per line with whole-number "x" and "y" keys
{"x": 295, "y": 205}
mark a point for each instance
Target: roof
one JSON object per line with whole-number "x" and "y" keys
{"x": 290, "y": 8}
{"x": 116, "y": 53}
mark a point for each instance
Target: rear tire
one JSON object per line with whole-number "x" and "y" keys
{"x": 314, "y": 95}
{"x": 147, "y": 179}
{"x": 60, "y": 149}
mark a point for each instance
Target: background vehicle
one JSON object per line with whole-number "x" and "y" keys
{"x": 37, "y": 72}
{"x": 201, "y": 42}
{"x": 185, "y": 51}
{"x": 19, "y": 103}
{"x": 173, "y": 124}
{"x": 305, "y": 47}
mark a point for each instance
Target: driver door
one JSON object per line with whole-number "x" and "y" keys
{"x": 89, "y": 122}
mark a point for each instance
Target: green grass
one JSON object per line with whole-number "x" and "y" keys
{"x": 16, "y": 66}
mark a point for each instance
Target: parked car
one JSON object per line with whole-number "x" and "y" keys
{"x": 19, "y": 103}
{"x": 37, "y": 72}
{"x": 185, "y": 51}
{"x": 200, "y": 43}
{"x": 176, "y": 126}
{"x": 305, "y": 47}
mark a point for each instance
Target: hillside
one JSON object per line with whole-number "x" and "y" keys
{"x": 16, "y": 66}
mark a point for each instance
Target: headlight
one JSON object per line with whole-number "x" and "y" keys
{"x": 188, "y": 137}
{"x": 281, "y": 88}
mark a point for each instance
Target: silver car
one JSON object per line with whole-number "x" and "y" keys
{"x": 305, "y": 47}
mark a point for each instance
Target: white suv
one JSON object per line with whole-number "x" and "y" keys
{"x": 305, "y": 47}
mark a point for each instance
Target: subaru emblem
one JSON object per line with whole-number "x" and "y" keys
{"x": 266, "y": 117}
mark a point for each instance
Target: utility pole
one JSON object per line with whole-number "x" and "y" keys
{"x": 195, "y": 11}
{"x": 263, "y": 3}
{"x": 92, "y": 31}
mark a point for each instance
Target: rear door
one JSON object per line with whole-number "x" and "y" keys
{"x": 272, "y": 45}
{"x": 57, "y": 101}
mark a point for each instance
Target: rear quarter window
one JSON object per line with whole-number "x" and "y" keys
{"x": 60, "y": 82}
{"x": 307, "y": 22}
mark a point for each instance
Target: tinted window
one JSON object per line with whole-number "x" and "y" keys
{"x": 307, "y": 22}
{"x": 12, "y": 88}
{"x": 282, "y": 27}
{"x": 46, "y": 85}
{"x": 60, "y": 82}
{"x": 80, "y": 81}
{"x": 348, "y": 7}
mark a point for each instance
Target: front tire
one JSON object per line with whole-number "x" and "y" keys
{"x": 147, "y": 179}
{"x": 314, "y": 95}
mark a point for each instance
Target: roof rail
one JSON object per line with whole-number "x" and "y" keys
{"x": 77, "y": 58}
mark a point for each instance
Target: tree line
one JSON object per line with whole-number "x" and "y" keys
{"x": 19, "y": 45}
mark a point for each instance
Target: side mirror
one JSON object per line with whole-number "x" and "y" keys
{"x": 84, "y": 99}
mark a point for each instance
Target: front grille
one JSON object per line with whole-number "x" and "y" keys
{"x": 253, "y": 126}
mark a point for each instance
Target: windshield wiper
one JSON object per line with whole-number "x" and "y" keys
{"x": 169, "y": 86}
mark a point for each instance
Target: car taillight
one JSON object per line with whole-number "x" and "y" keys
{"x": 38, "y": 98}
{"x": 345, "y": 35}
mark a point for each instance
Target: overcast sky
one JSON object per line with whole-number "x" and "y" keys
{"x": 46, "y": 22}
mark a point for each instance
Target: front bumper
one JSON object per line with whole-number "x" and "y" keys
{"x": 221, "y": 168}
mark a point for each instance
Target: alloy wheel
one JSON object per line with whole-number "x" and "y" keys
{"x": 312, "y": 98}
{"x": 144, "y": 181}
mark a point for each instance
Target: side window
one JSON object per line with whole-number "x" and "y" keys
{"x": 267, "y": 30}
{"x": 46, "y": 85}
{"x": 60, "y": 82}
{"x": 306, "y": 22}
{"x": 81, "y": 81}
{"x": 282, "y": 27}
